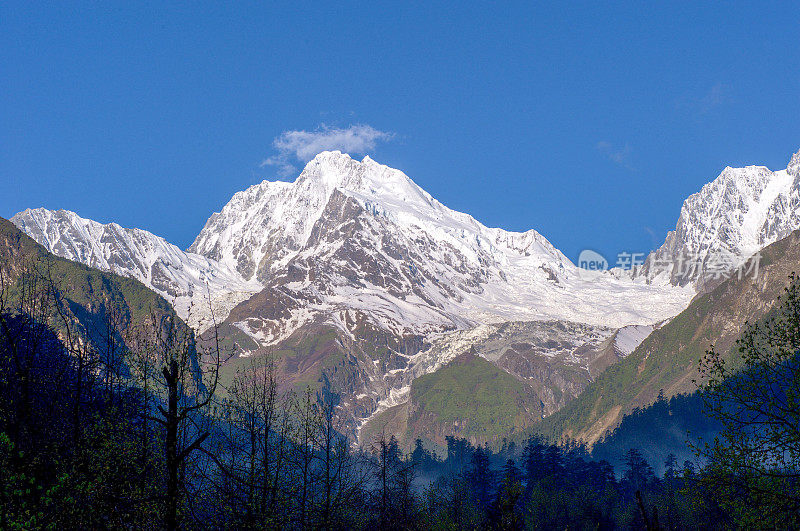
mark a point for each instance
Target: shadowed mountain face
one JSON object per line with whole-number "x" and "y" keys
{"x": 668, "y": 359}
{"x": 185, "y": 279}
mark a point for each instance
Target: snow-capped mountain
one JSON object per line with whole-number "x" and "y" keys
{"x": 731, "y": 218}
{"x": 365, "y": 282}
{"x": 359, "y": 236}
{"x": 184, "y": 279}
{"x": 357, "y": 251}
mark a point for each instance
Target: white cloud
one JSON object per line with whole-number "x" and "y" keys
{"x": 620, "y": 156}
{"x": 302, "y": 146}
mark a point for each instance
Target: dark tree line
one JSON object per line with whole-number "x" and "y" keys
{"x": 107, "y": 425}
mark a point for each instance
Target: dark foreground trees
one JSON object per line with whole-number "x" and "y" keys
{"x": 108, "y": 425}
{"x": 68, "y": 427}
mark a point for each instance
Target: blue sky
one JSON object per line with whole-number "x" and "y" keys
{"x": 590, "y": 123}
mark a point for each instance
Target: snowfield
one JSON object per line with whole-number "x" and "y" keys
{"x": 492, "y": 275}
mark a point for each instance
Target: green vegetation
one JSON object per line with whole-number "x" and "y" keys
{"x": 85, "y": 444}
{"x": 484, "y": 401}
{"x": 665, "y": 360}
{"x": 469, "y": 397}
{"x": 304, "y": 360}
{"x": 310, "y": 356}
{"x": 757, "y": 402}
{"x": 232, "y": 339}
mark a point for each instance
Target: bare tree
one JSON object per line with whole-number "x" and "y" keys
{"x": 342, "y": 475}
{"x": 249, "y": 449}
{"x": 182, "y": 394}
{"x": 302, "y": 456}
{"x": 394, "y": 480}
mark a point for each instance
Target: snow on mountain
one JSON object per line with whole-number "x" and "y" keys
{"x": 263, "y": 227}
{"x": 185, "y": 279}
{"x": 358, "y": 235}
{"x": 628, "y": 338}
{"x": 731, "y": 218}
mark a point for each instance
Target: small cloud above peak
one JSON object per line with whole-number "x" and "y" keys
{"x": 301, "y": 146}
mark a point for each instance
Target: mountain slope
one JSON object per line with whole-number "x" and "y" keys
{"x": 89, "y": 294}
{"x": 185, "y": 279}
{"x": 469, "y": 397}
{"x": 362, "y": 282}
{"x": 358, "y": 250}
{"x": 549, "y": 362}
{"x": 359, "y": 237}
{"x": 668, "y": 359}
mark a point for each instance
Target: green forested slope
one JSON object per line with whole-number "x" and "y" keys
{"x": 668, "y": 359}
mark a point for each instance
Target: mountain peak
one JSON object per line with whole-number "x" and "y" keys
{"x": 388, "y": 189}
{"x": 331, "y": 156}
{"x": 363, "y": 236}
{"x": 337, "y": 155}
{"x": 184, "y": 279}
{"x": 729, "y": 219}
{"x": 341, "y": 164}
{"x": 794, "y": 164}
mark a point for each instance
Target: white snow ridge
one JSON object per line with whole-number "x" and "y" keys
{"x": 184, "y": 279}
{"x": 448, "y": 270}
{"x": 733, "y": 217}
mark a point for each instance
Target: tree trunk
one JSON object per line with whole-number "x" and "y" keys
{"x": 171, "y": 447}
